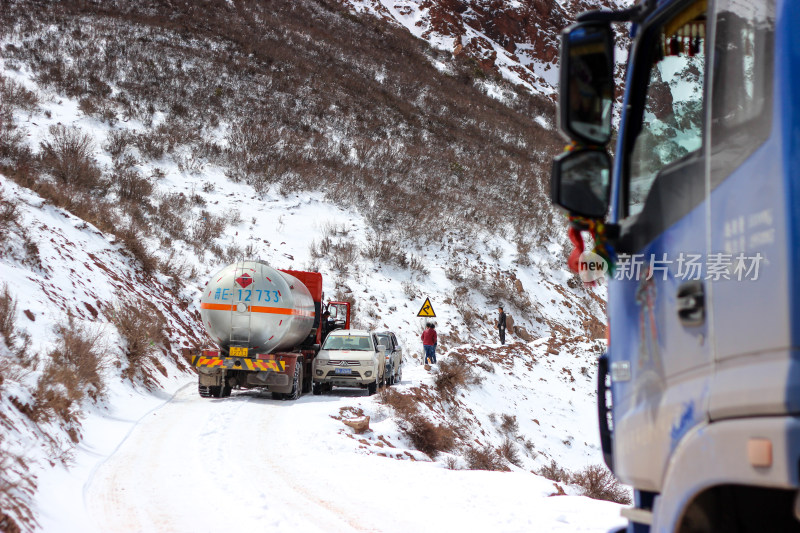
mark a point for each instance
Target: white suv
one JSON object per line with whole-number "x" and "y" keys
{"x": 349, "y": 358}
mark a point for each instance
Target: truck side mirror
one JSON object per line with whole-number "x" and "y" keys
{"x": 587, "y": 82}
{"x": 581, "y": 182}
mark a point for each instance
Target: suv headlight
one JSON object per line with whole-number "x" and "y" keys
{"x": 321, "y": 361}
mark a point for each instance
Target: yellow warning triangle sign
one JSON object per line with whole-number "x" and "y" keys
{"x": 427, "y": 309}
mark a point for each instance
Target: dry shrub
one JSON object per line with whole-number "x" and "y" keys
{"x": 73, "y": 373}
{"x": 485, "y": 458}
{"x": 554, "y": 472}
{"x": 118, "y": 141}
{"x": 16, "y": 486}
{"x": 130, "y": 184}
{"x": 141, "y": 326}
{"x": 81, "y": 349}
{"x": 404, "y": 405}
{"x": 454, "y": 373}
{"x": 424, "y": 434}
{"x": 57, "y": 397}
{"x": 8, "y": 316}
{"x": 134, "y": 243}
{"x": 206, "y": 229}
{"x": 67, "y": 155}
{"x": 600, "y": 484}
{"x": 509, "y": 424}
{"x": 508, "y": 450}
{"x": 428, "y": 437}
{"x": 9, "y": 216}
{"x": 17, "y": 96}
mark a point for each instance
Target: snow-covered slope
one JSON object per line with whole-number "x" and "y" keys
{"x": 57, "y": 265}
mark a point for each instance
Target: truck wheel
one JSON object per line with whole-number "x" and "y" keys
{"x": 316, "y": 388}
{"x": 297, "y": 382}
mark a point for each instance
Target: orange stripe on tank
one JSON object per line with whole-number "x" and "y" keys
{"x": 280, "y": 311}
{"x": 216, "y": 307}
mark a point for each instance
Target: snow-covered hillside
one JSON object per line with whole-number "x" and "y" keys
{"x": 88, "y": 269}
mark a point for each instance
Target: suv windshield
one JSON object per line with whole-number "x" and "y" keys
{"x": 347, "y": 342}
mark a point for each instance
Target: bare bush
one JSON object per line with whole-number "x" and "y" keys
{"x": 508, "y": 450}
{"x": 453, "y": 374}
{"x": 428, "y": 437}
{"x": 8, "y": 316}
{"x": 17, "y": 96}
{"x": 509, "y": 424}
{"x": 207, "y": 228}
{"x": 600, "y": 484}
{"x": 118, "y": 141}
{"x": 16, "y": 484}
{"x": 141, "y": 326}
{"x": 134, "y": 243}
{"x": 80, "y": 348}
{"x": 410, "y": 289}
{"x": 130, "y": 184}
{"x": 417, "y": 264}
{"x": 554, "y": 472}
{"x": 485, "y": 458}
{"x": 67, "y": 154}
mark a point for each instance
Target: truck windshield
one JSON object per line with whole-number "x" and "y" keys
{"x": 673, "y": 113}
{"x": 347, "y": 342}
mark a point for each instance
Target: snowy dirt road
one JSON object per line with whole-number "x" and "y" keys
{"x": 249, "y": 462}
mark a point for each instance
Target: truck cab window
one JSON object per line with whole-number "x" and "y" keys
{"x": 672, "y": 114}
{"x": 741, "y": 108}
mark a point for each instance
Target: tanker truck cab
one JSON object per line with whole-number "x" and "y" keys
{"x": 699, "y": 391}
{"x": 351, "y": 358}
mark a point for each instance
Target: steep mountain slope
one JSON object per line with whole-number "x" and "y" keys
{"x": 144, "y": 145}
{"x": 515, "y": 40}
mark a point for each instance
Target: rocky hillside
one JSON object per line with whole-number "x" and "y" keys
{"x": 512, "y": 40}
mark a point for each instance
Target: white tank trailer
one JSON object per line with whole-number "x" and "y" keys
{"x": 262, "y": 321}
{"x": 252, "y": 305}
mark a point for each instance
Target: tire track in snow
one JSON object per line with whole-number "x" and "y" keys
{"x": 195, "y": 464}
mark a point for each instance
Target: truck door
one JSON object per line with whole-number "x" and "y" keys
{"x": 751, "y": 303}
{"x": 660, "y": 353}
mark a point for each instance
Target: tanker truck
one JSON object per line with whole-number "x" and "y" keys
{"x": 267, "y": 325}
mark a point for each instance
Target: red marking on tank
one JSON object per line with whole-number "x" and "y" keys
{"x": 271, "y": 338}
{"x": 209, "y": 293}
{"x": 244, "y": 280}
{"x": 268, "y": 279}
{"x": 220, "y": 278}
{"x": 279, "y": 294}
{"x": 281, "y": 322}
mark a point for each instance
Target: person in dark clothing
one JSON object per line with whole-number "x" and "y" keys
{"x": 429, "y": 343}
{"x": 501, "y": 324}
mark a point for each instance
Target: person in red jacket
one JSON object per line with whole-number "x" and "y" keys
{"x": 429, "y": 343}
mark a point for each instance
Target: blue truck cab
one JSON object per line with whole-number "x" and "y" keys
{"x": 699, "y": 391}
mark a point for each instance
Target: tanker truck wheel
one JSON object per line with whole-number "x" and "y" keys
{"x": 297, "y": 382}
